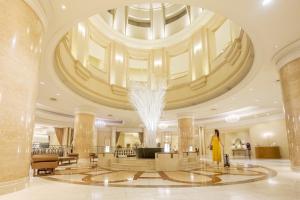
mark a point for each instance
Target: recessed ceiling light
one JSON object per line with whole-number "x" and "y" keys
{"x": 266, "y": 2}
{"x": 57, "y": 94}
{"x": 42, "y": 83}
{"x": 63, "y": 7}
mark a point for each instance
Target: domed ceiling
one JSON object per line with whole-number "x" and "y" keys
{"x": 152, "y": 21}
{"x": 200, "y": 54}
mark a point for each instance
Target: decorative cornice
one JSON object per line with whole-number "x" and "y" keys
{"x": 228, "y": 69}
{"x": 38, "y": 9}
{"x": 287, "y": 54}
{"x": 185, "y": 115}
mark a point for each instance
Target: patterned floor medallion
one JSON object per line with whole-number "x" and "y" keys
{"x": 202, "y": 175}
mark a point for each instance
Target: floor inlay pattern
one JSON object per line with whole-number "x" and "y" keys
{"x": 203, "y": 175}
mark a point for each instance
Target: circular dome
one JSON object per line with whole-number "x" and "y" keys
{"x": 206, "y": 62}
{"x": 152, "y": 21}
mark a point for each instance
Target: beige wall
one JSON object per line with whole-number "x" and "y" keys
{"x": 277, "y": 135}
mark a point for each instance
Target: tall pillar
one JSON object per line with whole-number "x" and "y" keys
{"x": 21, "y": 34}
{"x": 290, "y": 82}
{"x": 113, "y": 136}
{"x": 288, "y": 61}
{"x": 84, "y": 133}
{"x": 202, "y": 145}
{"x": 186, "y": 133}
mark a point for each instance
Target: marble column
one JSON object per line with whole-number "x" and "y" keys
{"x": 21, "y": 34}
{"x": 290, "y": 82}
{"x": 186, "y": 133}
{"x": 113, "y": 136}
{"x": 84, "y": 133}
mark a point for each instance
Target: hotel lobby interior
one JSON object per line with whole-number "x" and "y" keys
{"x": 135, "y": 99}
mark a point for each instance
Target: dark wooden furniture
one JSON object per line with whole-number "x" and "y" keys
{"x": 93, "y": 156}
{"x": 64, "y": 160}
{"x": 45, "y": 163}
{"x": 148, "y": 152}
{"x": 267, "y": 152}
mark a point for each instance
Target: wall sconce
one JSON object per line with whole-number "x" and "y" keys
{"x": 119, "y": 58}
{"x": 157, "y": 62}
{"x": 81, "y": 29}
{"x": 267, "y": 135}
{"x": 197, "y": 47}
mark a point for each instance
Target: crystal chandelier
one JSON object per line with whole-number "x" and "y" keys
{"x": 149, "y": 103}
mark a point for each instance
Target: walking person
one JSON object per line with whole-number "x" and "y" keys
{"x": 216, "y": 147}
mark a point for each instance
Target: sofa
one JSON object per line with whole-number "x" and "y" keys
{"x": 44, "y": 162}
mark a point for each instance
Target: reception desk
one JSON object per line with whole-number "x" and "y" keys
{"x": 267, "y": 152}
{"x": 147, "y": 153}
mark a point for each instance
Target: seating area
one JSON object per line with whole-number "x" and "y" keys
{"x": 44, "y": 163}
{"x": 46, "y": 159}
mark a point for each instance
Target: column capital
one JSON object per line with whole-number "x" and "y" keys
{"x": 185, "y": 115}
{"x": 287, "y": 54}
{"x": 85, "y": 110}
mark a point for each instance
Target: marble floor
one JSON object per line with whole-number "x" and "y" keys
{"x": 245, "y": 180}
{"x": 200, "y": 174}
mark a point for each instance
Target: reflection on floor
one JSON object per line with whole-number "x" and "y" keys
{"x": 284, "y": 186}
{"x": 202, "y": 175}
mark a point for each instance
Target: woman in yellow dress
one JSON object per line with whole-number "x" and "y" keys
{"x": 216, "y": 147}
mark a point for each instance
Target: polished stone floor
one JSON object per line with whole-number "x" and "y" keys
{"x": 209, "y": 182}
{"x": 201, "y": 174}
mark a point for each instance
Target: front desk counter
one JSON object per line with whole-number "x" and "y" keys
{"x": 267, "y": 152}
